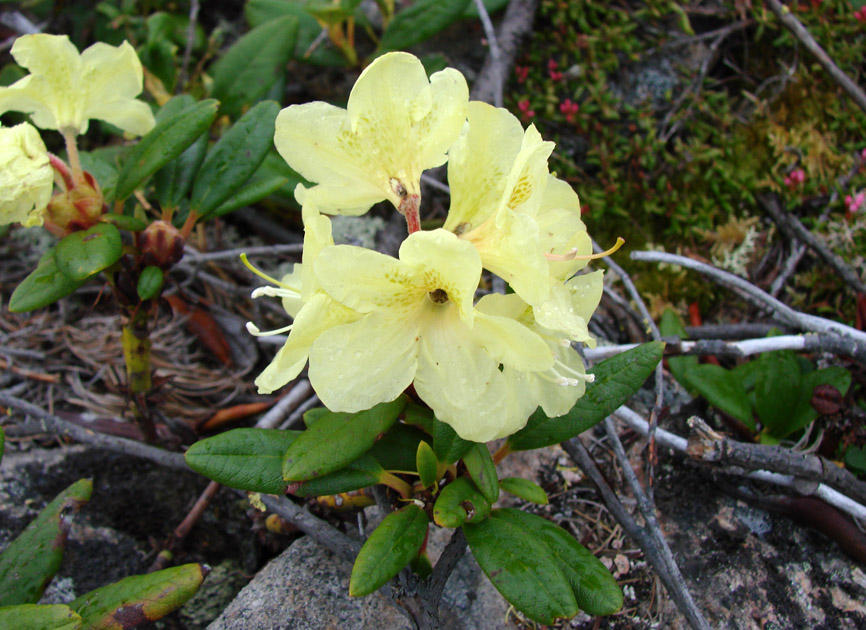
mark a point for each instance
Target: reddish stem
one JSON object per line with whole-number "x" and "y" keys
{"x": 62, "y": 169}
{"x": 409, "y": 208}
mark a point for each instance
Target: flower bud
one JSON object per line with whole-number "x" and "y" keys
{"x": 161, "y": 245}
{"x": 78, "y": 208}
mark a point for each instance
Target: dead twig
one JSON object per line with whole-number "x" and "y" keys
{"x": 799, "y": 31}
{"x": 516, "y": 24}
{"x": 649, "y": 539}
{"x": 496, "y": 68}
{"x": 708, "y": 446}
{"x": 163, "y": 559}
{"x": 853, "y": 338}
{"x": 190, "y": 40}
{"x": 790, "y": 225}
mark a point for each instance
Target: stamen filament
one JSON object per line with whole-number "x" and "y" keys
{"x": 254, "y": 330}
{"x": 265, "y": 276}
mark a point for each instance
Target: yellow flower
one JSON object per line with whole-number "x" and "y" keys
{"x": 498, "y": 174}
{"x": 312, "y": 310}
{"x": 557, "y": 388}
{"x": 65, "y": 89}
{"x": 397, "y": 124}
{"x": 418, "y": 325}
{"x": 26, "y": 177}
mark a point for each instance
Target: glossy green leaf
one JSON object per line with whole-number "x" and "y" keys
{"x": 167, "y": 140}
{"x": 522, "y": 568}
{"x": 418, "y": 22}
{"x": 390, "y": 547}
{"x": 397, "y": 448}
{"x": 721, "y": 389}
{"x": 247, "y": 459}
{"x": 104, "y": 164}
{"x": 45, "y": 285}
{"x": 595, "y": 590}
{"x": 150, "y": 282}
{"x": 173, "y": 181}
{"x": 361, "y": 473}
{"x": 234, "y": 158}
{"x": 804, "y": 412}
{"x": 471, "y": 11}
{"x": 460, "y": 502}
{"x": 525, "y": 489}
{"x": 617, "y": 379}
{"x": 31, "y": 560}
{"x": 139, "y": 598}
{"x": 39, "y": 617}
{"x": 87, "y": 252}
{"x": 777, "y": 390}
{"x": 260, "y": 12}
{"x": 426, "y": 464}
{"x": 245, "y": 73}
{"x": 448, "y": 446}
{"x": 311, "y": 415}
{"x": 337, "y": 439}
{"x": 482, "y": 470}
{"x": 261, "y": 184}
{"x": 419, "y": 416}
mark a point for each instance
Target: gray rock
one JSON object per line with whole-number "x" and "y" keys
{"x": 307, "y": 588}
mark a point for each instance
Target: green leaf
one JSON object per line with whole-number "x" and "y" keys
{"x": 336, "y": 440}
{"x": 173, "y": 181}
{"x": 420, "y": 21}
{"x": 260, "y": 12}
{"x": 139, "y": 598}
{"x": 460, "y": 502}
{"x": 670, "y": 325}
{"x": 804, "y": 412}
{"x": 449, "y": 446}
{"x": 361, "y": 473}
{"x": 595, "y": 590}
{"x": 87, "y": 252}
{"x": 168, "y": 139}
{"x": 390, "y": 547}
{"x": 103, "y": 163}
{"x": 31, "y": 560}
{"x": 234, "y": 158}
{"x": 149, "y": 282}
{"x": 247, "y": 459}
{"x": 525, "y": 489}
{"x": 245, "y": 73}
{"x": 722, "y": 389}
{"x": 777, "y": 390}
{"x": 427, "y": 464}
{"x": 522, "y": 568}
{"x": 855, "y": 459}
{"x": 482, "y": 470}
{"x": 396, "y": 450}
{"x": 617, "y": 379}
{"x": 261, "y": 184}
{"x": 312, "y": 415}
{"x": 45, "y": 285}
{"x": 471, "y": 11}
{"x": 39, "y": 617}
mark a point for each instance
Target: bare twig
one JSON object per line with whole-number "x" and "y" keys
{"x": 659, "y": 370}
{"x": 799, "y": 31}
{"x": 163, "y": 559}
{"x": 288, "y": 403}
{"x": 495, "y": 57}
{"x": 650, "y": 542}
{"x": 803, "y": 321}
{"x": 193, "y": 256}
{"x": 800, "y": 249}
{"x": 789, "y": 224}
{"x": 190, "y": 40}
{"x": 707, "y": 445}
{"x": 734, "y": 349}
{"x": 813, "y": 488}
{"x": 58, "y": 426}
{"x": 515, "y": 25}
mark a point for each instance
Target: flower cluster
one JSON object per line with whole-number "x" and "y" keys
{"x": 795, "y": 178}
{"x": 63, "y": 91}
{"x": 373, "y": 325}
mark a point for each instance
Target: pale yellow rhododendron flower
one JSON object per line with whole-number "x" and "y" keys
{"x": 419, "y": 325}
{"x": 397, "y": 124}
{"x": 498, "y": 174}
{"x": 312, "y": 310}
{"x": 65, "y": 89}
{"x": 26, "y": 177}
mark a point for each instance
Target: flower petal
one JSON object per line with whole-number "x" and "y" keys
{"x": 26, "y": 178}
{"x": 511, "y": 343}
{"x": 361, "y": 364}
